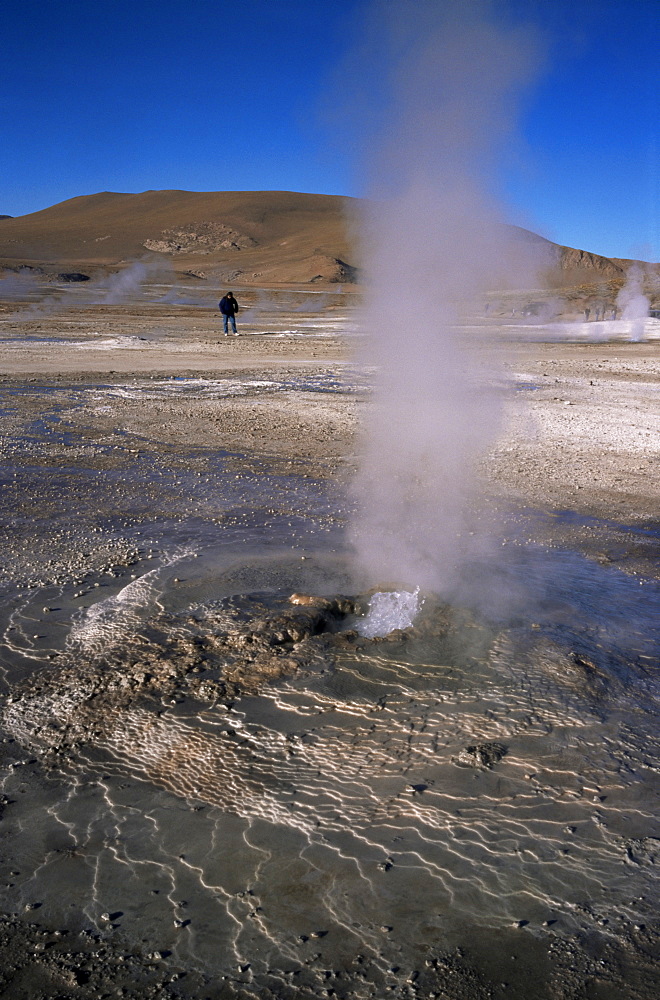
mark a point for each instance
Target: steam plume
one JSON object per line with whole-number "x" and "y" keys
{"x": 435, "y": 242}
{"x": 127, "y": 285}
{"x": 19, "y": 286}
{"x": 633, "y": 303}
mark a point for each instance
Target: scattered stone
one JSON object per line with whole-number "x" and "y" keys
{"x": 483, "y": 755}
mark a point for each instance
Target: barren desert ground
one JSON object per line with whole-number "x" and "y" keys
{"x": 208, "y": 791}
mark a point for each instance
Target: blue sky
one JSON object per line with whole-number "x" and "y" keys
{"x": 211, "y": 95}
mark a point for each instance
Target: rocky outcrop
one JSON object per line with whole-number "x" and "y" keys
{"x": 582, "y": 260}
{"x": 222, "y": 658}
{"x": 344, "y": 272}
{"x": 199, "y": 238}
{"x": 330, "y": 269}
{"x": 483, "y": 755}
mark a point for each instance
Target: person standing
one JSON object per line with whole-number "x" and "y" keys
{"x": 228, "y": 307}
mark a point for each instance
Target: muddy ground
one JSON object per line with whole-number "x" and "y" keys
{"x": 98, "y": 441}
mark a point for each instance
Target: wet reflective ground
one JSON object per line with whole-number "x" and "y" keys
{"x": 449, "y": 812}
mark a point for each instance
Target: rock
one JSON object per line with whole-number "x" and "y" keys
{"x": 309, "y": 600}
{"x": 482, "y": 755}
{"x": 199, "y": 238}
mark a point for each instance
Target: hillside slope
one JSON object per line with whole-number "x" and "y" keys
{"x": 272, "y": 236}
{"x": 253, "y": 237}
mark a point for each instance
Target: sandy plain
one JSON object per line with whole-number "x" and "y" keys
{"x": 111, "y": 416}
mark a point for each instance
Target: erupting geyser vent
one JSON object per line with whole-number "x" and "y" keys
{"x": 389, "y": 610}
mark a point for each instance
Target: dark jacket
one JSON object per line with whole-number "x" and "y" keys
{"x": 228, "y": 305}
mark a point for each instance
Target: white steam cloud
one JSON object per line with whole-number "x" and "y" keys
{"x": 633, "y": 303}
{"x": 18, "y": 285}
{"x": 125, "y": 285}
{"x": 434, "y": 245}
{"x": 129, "y": 285}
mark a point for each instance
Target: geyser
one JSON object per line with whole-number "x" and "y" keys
{"x": 434, "y": 243}
{"x": 389, "y": 610}
{"x": 633, "y": 303}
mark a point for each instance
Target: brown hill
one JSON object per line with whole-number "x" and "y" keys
{"x": 259, "y": 236}
{"x": 253, "y": 237}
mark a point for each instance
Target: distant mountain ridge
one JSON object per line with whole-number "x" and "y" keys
{"x": 251, "y": 237}
{"x": 573, "y": 262}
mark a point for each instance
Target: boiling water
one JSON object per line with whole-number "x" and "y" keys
{"x": 389, "y": 611}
